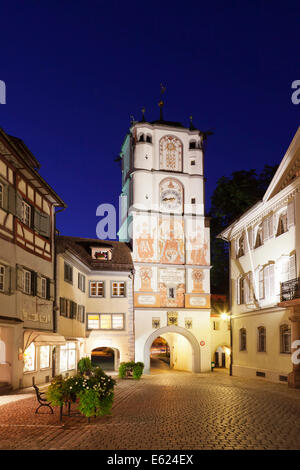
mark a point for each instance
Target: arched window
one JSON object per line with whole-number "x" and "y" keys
{"x": 243, "y": 339}
{"x": 261, "y": 343}
{"x": 170, "y": 153}
{"x": 141, "y": 138}
{"x": 285, "y": 339}
{"x": 149, "y": 139}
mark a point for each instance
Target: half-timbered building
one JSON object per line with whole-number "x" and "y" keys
{"x": 27, "y": 254}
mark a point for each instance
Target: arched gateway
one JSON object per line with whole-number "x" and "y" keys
{"x": 196, "y": 367}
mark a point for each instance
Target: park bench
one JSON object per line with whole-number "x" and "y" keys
{"x": 42, "y": 401}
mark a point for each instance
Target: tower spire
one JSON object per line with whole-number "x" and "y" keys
{"x": 161, "y": 103}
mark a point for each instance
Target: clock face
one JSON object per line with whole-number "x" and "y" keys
{"x": 170, "y": 199}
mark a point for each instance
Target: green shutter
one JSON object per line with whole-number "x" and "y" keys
{"x": 11, "y": 199}
{"x": 44, "y": 225}
{"x": 20, "y": 277}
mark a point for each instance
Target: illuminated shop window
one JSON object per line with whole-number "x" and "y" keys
{"x": 29, "y": 358}
{"x": 44, "y": 357}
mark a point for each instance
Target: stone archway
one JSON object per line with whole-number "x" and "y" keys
{"x": 106, "y": 357}
{"x": 196, "y": 367}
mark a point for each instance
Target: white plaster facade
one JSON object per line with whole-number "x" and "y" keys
{"x": 264, "y": 256}
{"x": 78, "y": 327}
{"x": 163, "y": 218}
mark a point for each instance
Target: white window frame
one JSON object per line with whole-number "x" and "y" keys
{"x": 102, "y": 283}
{"x": 49, "y": 357}
{"x": 27, "y": 275}
{"x": 98, "y": 320}
{"x": 118, "y": 287}
{"x": 26, "y": 213}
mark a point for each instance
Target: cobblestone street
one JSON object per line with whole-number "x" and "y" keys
{"x": 167, "y": 410}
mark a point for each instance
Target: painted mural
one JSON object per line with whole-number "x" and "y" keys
{"x": 170, "y": 153}
{"x": 172, "y": 287}
{"x": 198, "y": 278}
{"x": 171, "y": 240}
{"x": 197, "y": 244}
{"x": 145, "y": 238}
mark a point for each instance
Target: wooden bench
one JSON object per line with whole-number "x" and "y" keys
{"x": 42, "y": 401}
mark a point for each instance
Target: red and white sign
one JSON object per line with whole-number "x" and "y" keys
{"x": 202, "y": 343}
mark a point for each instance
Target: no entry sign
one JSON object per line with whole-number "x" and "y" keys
{"x": 202, "y": 343}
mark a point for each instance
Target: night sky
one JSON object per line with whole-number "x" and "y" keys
{"x": 75, "y": 71}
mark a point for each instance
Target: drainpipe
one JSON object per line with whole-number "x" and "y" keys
{"x": 54, "y": 272}
{"x": 230, "y": 302}
{"x": 230, "y": 312}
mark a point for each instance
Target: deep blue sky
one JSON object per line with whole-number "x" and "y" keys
{"x": 76, "y": 70}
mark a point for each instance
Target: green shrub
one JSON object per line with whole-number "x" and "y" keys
{"x": 85, "y": 366}
{"x": 131, "y": 369}
{"x": 56, "y": 392}
{"x": 137, "y": 370}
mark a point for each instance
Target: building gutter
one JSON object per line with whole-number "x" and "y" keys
{"x": 55, "y": 306}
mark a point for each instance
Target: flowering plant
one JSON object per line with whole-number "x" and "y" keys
{"x": 94, "y": 392}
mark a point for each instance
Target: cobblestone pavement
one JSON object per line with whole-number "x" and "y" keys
{"x": 167, "y": 410}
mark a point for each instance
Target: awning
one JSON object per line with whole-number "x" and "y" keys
{"x": 40, "y": 338}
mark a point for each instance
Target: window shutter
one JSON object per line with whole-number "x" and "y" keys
{"x": 236, "y": 247}
{"x": 292, "y": 267}
{"x": 7, "y": 279}
{"x": 250, "y": 237}
{"x": 265, "y": 230}
{"x": 272, "y": 279}
{"x": 39, "y": 285}
{"x": 271, "y": 226}
{"x": 245, "y": 243}
{"x": 36, "y": 220}
{"x": 238, "y": 296}
{"x": 20, "y": 278}
{"x": 11, "y": 199}
{"x": 267, "y": 281}
{"x": 291, "y": 213}
{"x": 19, "y": 206}
{"x": 246, "y": 289}
{"x": 261, "y": 283}
{"x": 250, "y": 287}
{"x": 33, "y": 283}
{"x": 5, "y": 195}
{"x": 44, "y": 225}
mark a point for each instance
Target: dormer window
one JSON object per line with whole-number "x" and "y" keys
{"x": 282, "y": 224}
{"x": 259, "y": 237}
{"x": 241, "y": 246}
{"x": 100, "y": 253}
